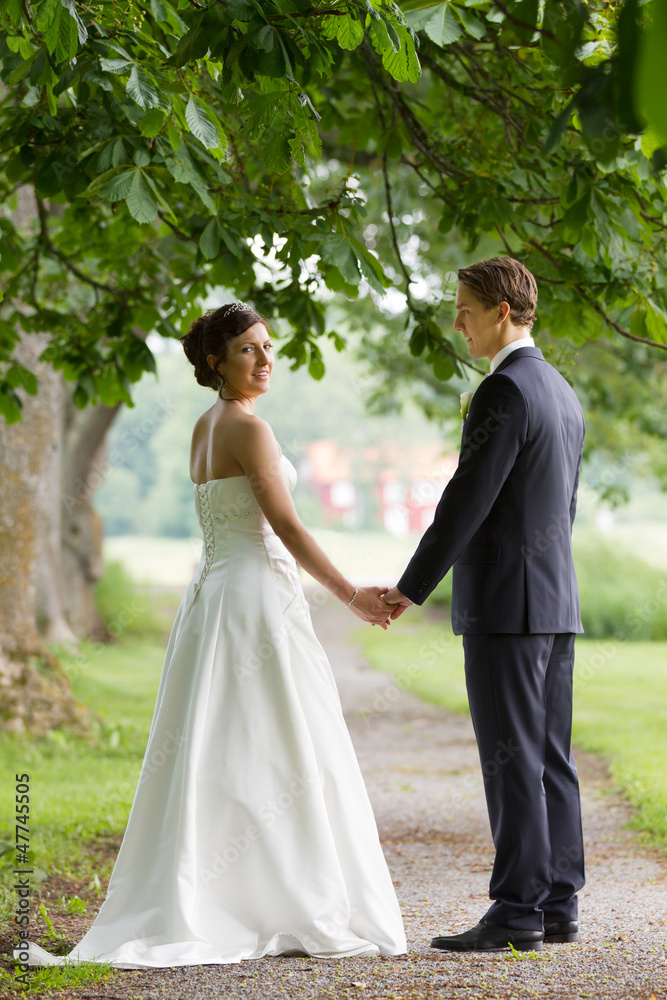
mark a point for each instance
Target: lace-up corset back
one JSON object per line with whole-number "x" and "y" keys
{"x": 227, "y": 503}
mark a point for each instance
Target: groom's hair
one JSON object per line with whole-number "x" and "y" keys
{"x": 503, "y": 279}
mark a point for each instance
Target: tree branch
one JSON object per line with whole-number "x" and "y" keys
{"x": 408, "y": 280}
{"x": 394, "y": 239}
{"x": 617, "y": 326}
{"x": 596, "y": 307}
{"x": 46, "y": 239}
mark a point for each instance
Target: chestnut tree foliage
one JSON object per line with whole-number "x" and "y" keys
{"x": 294, "y": 151}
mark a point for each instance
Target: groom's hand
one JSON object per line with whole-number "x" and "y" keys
{"x": 400, "y": 601}
{"x": 369, "y": 605}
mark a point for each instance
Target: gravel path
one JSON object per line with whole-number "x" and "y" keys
{"x": 422, "y": 772}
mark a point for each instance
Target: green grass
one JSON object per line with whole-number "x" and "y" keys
{"x": 82, "y": 788}
{"x": 58, "y": 977}
{"x": 620, "y": 701}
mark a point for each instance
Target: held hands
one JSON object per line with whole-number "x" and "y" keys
{"x": 379, "y": 606}
{"x": 369, "y": 606}
{"x": 397, "y": 600}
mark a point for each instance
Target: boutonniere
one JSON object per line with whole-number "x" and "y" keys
{"x": 465, "y": 402}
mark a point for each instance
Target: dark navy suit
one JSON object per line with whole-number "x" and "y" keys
{"x": 504, "y": 522}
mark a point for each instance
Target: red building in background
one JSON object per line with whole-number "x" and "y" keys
{"x": 406, "y": 486}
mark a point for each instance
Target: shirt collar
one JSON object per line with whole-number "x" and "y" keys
{"x": 507, "y": 350}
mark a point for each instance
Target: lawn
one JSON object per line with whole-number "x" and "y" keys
{"x": 620, "y": 701}
{"x": 82, "y": 788}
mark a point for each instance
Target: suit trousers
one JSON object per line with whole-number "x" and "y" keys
{"x": 520, "y": 694}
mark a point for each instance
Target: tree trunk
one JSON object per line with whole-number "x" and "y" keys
{"x": 35, "y": 693}
{"x": 50, "y": 537}
{"x": 82, "y": 471}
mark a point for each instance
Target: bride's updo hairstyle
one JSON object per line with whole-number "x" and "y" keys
{"x": 210, "y": 334}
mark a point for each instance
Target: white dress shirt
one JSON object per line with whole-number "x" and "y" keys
{"x": 505, "y": 351}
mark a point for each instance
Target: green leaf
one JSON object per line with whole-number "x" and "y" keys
{"x": 108, "y": 387}
{"x": 82, "y": 31}
{"x": 650, "y": 141}
{"x": 174, "y": 137}
{"x": 443, "y": 27}
{"x": 10, "y": 404}
{"x": 209, "y": 241}
{"x": 80, "y": 397}
{"x": 116, "y": 188}
{"x": 339, "y": 342}
{"x": 336, "y": 250}
{"x": 113, "y": 188}
{"x": 136, "y": 358}
{"x": 18, "y": 375}
{"x": 297, "y": 150}
{"x": 472, "y": 24}
{"x": 656, "y": 322}
{"x": 316, "y": 364}
{"x": 142, "y": 89}
{"x": 442, "y": 367}
{"x": 117, "y": 66}
{"x": 350, "y": 32}
{"x": 14, "y": 10}
{"x": 577, "y": 214}
{"x": 558, "y": 128}
{"x": 152, "y": 122}
{"x": 62, "y": 37}
{"x": 277, "y": 153}
{"x": 418, "y": 341}
{"x": 379, "y": 37}
{"x": 140, "y": 201}
{"x": 370, "y": 267}
{"x": 588, "y": 242}
{"x": 192, "y": 45}
{"x": 22, "y": 69}
{"x": 264, "y": 39}
{"x": 200, "y": 124}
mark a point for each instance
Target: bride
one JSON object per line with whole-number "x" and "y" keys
{"x": 251, "y": 832}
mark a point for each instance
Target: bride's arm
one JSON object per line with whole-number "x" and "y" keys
{"x": 258, "y": 453}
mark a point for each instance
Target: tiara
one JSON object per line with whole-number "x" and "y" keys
{"x": 237, "y": 307}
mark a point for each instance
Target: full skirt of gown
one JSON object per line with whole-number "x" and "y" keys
{"x": 251, "y": 832}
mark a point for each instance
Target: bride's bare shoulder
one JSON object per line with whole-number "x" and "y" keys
{"x": 253, "y": 428}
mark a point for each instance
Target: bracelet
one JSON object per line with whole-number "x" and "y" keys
{"x": 352, "y": 599}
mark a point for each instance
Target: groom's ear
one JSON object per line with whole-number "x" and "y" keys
{"x": 503, "y": 312}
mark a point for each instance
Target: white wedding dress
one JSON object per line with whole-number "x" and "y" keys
{"x": 251, "y": 832}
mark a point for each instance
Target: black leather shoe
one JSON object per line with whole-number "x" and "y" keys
{"x": 563, "y": 932}
{"x": 490, "y": 937}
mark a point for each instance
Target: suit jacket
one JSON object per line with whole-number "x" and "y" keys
{"x": 504, "y": 521}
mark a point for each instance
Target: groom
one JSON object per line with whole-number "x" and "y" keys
{"x": 504, "y": 523}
